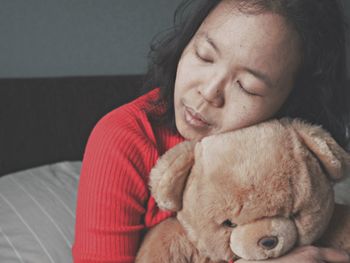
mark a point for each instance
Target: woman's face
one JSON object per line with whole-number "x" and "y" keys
{"x": 237, "y": 70}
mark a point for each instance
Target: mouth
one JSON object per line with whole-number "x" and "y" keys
{"x": 195, "y": 119}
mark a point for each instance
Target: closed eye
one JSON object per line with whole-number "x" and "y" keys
{"x": 245, "y": 90}
{"x": 202, "y": 58}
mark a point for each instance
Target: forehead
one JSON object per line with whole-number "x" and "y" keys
{"x": 261, "y": 40}
{"x": 226, "y": 16}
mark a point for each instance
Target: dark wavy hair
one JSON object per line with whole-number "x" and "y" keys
{"x": 320, "y": 94}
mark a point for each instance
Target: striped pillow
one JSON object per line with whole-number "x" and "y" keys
{"x": 37, "y": 213}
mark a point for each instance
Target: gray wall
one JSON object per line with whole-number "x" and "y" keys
{"x": 81, "y": 37}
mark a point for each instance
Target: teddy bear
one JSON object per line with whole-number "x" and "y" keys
{"x": 253, "y": 193}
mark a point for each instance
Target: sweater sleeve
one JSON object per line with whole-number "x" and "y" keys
{"x": 112, "y": 192}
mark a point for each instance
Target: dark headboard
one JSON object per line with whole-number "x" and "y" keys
{"x": 46, "y": 120}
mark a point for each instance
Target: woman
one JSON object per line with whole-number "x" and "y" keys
{"x": 229, "y": 64}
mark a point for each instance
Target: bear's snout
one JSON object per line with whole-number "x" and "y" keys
{"x": 263, "y": 239}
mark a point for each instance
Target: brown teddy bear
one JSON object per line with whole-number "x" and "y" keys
{"x": 254, "y": 193}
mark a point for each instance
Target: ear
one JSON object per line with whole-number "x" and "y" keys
{"x": 168, "y": 177}
{"x": 335, "y": 160}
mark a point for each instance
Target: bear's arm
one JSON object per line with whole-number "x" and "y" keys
{"x": 166, "y": 242}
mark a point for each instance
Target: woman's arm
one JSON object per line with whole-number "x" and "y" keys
{"x": 112, "y": 194}
{"x": 308, "y": 254}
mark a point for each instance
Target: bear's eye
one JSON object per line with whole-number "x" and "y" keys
{"x": 228, "y": 223}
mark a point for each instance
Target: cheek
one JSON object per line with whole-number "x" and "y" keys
{"x": 181, "y": 81}
{"x": 188, "y": 73}
{"x": 245, "y": 112}
{"x": 239, "y": 113}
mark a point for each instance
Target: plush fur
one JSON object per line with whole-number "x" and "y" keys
{"x": 254, "y": 193}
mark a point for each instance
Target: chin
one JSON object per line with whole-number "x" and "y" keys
{"x": 188, "y": 135}
{"x": 189, "y": 132}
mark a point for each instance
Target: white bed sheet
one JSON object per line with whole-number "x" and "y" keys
{"x": 37, "y": 213}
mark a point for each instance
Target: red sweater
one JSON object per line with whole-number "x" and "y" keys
{"x": 114, "y": 205}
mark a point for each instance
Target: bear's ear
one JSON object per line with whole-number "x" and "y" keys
{"x": 335, "y": 160}
{"x": 168, "y": 177}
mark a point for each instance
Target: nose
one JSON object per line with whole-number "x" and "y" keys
{"x": 268, "y": 242}
{"x": 212, "y": 90}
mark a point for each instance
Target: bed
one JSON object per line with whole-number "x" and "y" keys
{"x": 45, "y": 124}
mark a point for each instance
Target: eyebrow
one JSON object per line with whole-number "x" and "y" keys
{"x": 255, "y": 72}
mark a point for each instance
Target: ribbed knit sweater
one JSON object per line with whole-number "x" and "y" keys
{"x": 114, "y": 206}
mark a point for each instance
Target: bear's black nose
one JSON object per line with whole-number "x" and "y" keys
{"x": 268, "y": 243}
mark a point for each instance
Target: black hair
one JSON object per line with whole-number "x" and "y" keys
{"x": 320, "y": 94}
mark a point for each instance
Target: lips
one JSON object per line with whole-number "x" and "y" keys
{"x": 195, "y": 119}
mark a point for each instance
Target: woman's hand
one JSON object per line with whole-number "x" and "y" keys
{"x": 309, "y": 254}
